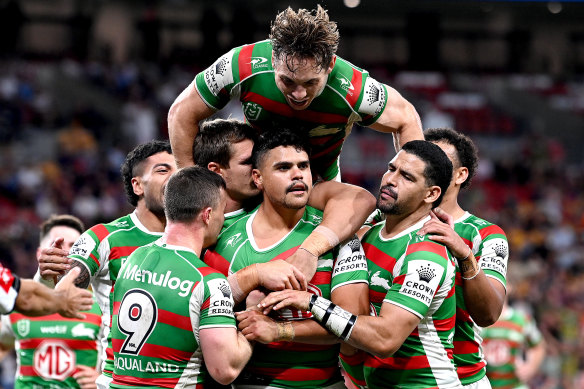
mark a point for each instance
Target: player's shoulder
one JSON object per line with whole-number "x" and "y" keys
{"x": 345, "y": 78}
{"x": 102, "y": 231}
{"x": 312, "y": 215}
{"x": 484, "y": 227}
{"x": 252, "y": 59}
{"x": 424, "y": 246}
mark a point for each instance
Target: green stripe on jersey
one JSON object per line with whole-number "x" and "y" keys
{"x": 416, "y": 274}
{"x": 163, "y": 297}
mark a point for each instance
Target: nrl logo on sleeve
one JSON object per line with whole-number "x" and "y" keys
{"x": 252, "y": 111}
{"x": 23, "y": 327}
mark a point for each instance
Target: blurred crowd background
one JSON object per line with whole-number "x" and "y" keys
{"x": 84, "y": 81}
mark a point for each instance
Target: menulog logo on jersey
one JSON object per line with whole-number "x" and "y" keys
{"x": 166, "y": 280}
{"x": 422, "y": 280}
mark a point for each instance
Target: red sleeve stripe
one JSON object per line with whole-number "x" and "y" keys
{"x": 378, "y": 257}
{"x": 290, "y": 374}
{"x": 217, "y": 262}
{"x": 352, "y": 96}
{"x": 427, "y": 246}
{"x": 491, "y": 230}
{"x": 157, "y": 351}
{"x": 399, "y": 279}
{"x": 121, "y": 252}
{"x": 206, "y": 304}
{"x": 321, "y": 278}
{"x": 94, "y": 259}
{"x": 463, "y": 316}
{"x": 172, "y": 319}
{"x": 244, "y": 61}
{"x": 149, "y": 381}
{"x": 75, "y": 344}
{"x": 283, "y": 109}
{"x": 116, "y": 308}
{"x": 205, "y": 271}
{"x": 100, "y": 231}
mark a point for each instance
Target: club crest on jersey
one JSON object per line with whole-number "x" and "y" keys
{"x": 258, "y": 62}
{"x": 346, "y": 85}
{"x": 252, "y": 111}
{"x": 376, "y": 280}
{"x": 23, "y": 327}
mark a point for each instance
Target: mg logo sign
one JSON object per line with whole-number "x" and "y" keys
{"x": 54, "y": 360}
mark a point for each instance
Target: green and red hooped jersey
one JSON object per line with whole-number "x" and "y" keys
{"x": 503, "y": 343}
{"x": 491, "y": 249}
{"x": 163, "y": 297}
{"x": 292, "y": 364}
{"x": 416, "y": 274}
{"x": 50, "y": 348}
{"x": 103, "y": 249}
{"x": 350, "y": 96}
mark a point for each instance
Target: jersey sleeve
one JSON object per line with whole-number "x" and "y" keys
{"x": 350, "y": 266}
{"x": 373, "y": 100}
{"x": 419, "y": 278}
{"x": 9, "y": 289}
{"x": 217, "y": 307}
{"x": 214, "y": 84}
{"x": 88, "y": 248}
{"x": 494, "y": 253}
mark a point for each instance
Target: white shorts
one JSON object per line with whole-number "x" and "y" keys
{"x": 103, "y": 382}
{"x": 483, "y": 383}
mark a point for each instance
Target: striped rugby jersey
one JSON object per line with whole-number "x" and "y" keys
{"x": 350, "y": 96}
{"x": 292, "y": 364}
{"x": 49, "y": 348}
{"x": 415, "y": 274}
{"x": 103, "y": 249}
{"x": 163, "y": 297}
{"x": 504, "y": 342}
{"x": 489, "y": 245}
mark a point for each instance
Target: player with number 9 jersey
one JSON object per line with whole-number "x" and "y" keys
{"x": 163, "y": 297}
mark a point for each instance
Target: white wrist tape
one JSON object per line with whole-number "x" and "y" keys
{"x": 334, "y": 318}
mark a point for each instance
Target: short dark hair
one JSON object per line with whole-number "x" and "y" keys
{"x": 304, "y": 34}
{"x": 60, "y": 220}
{"x": 274, "y": 138}
{"x": 466, "y": 151}
{"x": 215, "y": 138}
{"x": 189, "y": 191}
{"x": 438, "y": 170}
{"x": 133, "y": 163}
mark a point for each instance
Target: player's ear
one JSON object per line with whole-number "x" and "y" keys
{"x": 460, "y": 175}
{"x": 432, "y": 194}
{"x": 256, "y": 175}
{"x": 137, "y": 186}
{"x": 331, "y": 64}
{"x": 215, "y": 167}
{"x": 206, "y": 215}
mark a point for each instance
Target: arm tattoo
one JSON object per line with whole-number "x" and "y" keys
{"x": 82, "y": 280}
{"x": 465, "y": 266}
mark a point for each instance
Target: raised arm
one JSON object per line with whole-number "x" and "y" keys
{"x": 35, "y": 299}
{"x": 183, "y": 124}
{"x": 345, "y": 207}
{"x": 225, "y": 352}
{"x": 400, "y": 118}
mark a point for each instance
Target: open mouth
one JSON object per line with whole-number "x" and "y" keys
{"x": 297, "y": 103}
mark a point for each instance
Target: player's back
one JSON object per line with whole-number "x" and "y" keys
{"x": 161, "y": 300}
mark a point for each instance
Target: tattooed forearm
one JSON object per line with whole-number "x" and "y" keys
{"x": 82, "y": 280}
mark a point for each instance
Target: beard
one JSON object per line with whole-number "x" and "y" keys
{"x": 154, "y": 204}
{"x": 389, "y": 209}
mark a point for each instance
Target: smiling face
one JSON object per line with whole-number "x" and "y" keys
{"x": 403, "y": 187}
{"x": 284, "y": 177}
{"x": 302, "y": 81}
